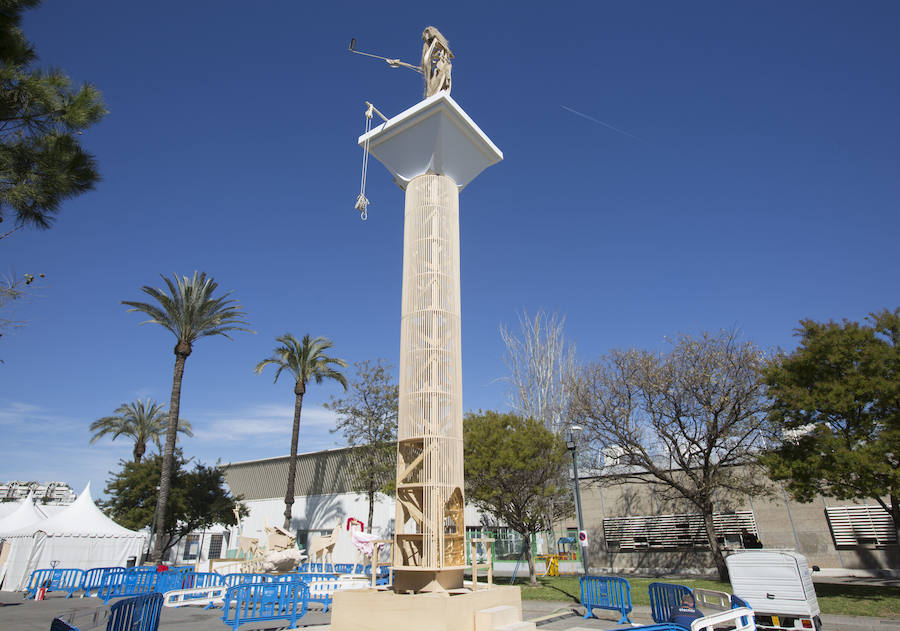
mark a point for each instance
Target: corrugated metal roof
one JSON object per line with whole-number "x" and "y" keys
{"x": 318, "y": 473}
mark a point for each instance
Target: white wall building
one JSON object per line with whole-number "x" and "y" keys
{"x": 56, "y": 493}
{"x": 324, "y": 497}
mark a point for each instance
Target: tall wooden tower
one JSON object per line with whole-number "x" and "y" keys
{"x": 433, "y": 150}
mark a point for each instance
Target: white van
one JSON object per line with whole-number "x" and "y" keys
{"x": 778, "y": 586}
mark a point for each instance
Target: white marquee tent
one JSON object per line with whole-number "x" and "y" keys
{"x": 25, "y": 514}
{"x": 8, "y": 508}
{"x": 80, "y": 536}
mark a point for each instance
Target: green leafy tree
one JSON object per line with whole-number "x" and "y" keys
{"x": 198, "y": 498}
{"x": 836, "y": 412}
{"x": 517, "y": 470}
{"x": 367, "y": 418}
{"x": 304, "y": 361}
{"x": 189, "y": 311}
{"x": 689, "y": 419}
{"x": 139, "y": 421}
{"x": 42, "y": 162}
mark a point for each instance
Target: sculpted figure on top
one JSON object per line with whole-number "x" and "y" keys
{"x": 436, "y": 66}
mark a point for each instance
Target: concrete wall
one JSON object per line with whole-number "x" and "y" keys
{"x": 782, "y": 523}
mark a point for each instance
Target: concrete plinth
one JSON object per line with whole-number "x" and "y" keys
{"x": 370, "y": 610}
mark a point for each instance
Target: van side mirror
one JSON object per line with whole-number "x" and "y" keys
{"x": 816, "y": 568}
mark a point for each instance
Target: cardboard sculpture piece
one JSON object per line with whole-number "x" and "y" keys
{"x": 323, "y": 545}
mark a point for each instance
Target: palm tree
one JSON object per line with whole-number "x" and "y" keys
{"x": 304, "y": 360}
{"x": 140, "y": 422}
{"x": 190, "y": 312}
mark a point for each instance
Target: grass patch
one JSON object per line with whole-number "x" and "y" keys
{"x": 859, "y": 600}
{"x": 834, "y": 598}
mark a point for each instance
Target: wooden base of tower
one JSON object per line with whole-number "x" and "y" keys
{"x": 370, "y": 610}
{"x": 415, "y": 580}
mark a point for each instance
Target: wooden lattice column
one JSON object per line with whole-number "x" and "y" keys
{"x": 430, "y": 530}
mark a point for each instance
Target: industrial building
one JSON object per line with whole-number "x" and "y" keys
{"x": 632, "y": 526}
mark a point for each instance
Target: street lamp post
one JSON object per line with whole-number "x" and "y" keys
{"x": 570, "y": 445}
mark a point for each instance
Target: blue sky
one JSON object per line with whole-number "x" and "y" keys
{"x": 752, "y": 182}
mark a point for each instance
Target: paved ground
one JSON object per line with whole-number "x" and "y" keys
{"x": 17, "y": 614}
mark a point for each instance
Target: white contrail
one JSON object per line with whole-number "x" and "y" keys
{"x": 600, "y": 122}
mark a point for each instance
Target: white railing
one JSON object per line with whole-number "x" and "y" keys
{"x": 740, "y": 619}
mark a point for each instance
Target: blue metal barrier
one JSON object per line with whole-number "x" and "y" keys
{"x": 736, "y": 602}
{"x": 349, "y": 568}
{"x": 265, "y": 601}
{"x": 204, "y": 579}
{"x": 606, "y": 592}
{"x": 232, "y": 580}
{"x": 56, "y": 580}
{"x": 171, "y": 580}
{"x": 307, "y": 568}
{"x": 384, "y": 574}
{"x": 315, "y": 576}
{"x": 321, "y": 587}
{"x": 134, "y": 582}
{"x": 96, "y": 577}
{"x": 83, "y": 620}
{"x": 140, "y": 613}
{"x": 664, "y": 599}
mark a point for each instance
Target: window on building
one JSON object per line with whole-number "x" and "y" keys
{"x": 860, "y": 526}
{"x": 191, "y": 548}
{"x": 670, "y": 532}
{"x": 215, "y": 547}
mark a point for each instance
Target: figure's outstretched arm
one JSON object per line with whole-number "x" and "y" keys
{"x": 396, "y": 63}
{"x": 393, "y": 63}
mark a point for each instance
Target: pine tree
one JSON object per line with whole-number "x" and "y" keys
{"x": 42, "y": 162}
{"x": 836, "y": 412}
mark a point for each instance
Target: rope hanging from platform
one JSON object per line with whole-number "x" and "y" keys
{"x": 362, "y": 202}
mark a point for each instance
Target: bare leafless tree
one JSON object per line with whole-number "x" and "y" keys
{"x": 541, "y": 362}
{"x": 12, "y": 289}
{"x": 689, "y": 418}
